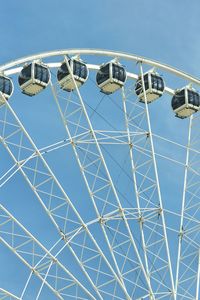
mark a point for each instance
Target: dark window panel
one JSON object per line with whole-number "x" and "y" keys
{"x": 138, "y": 86}
{"x": 80, "y": 69}
{"x": 62, "y": 72}
{"x": 193, "y": 98}
{"x": 5, "y": 85}
{"x": 103, "y": 74}
{"x": 118, "y": 73}
{"x": 25, "y": 74}
{"x": 179, "y": 99}
{"x": 41, "y": 73}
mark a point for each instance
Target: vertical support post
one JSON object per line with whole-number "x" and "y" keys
{"x": 109, "y": 179}
{"x": 198, "y": 278}
{"x": 135, "y": 183}
{"x": 157, "y": 181}
{"x": 183, "y": 206}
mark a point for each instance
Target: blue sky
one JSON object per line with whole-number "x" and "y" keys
{"x": 167, "y": 31}
{"x": 162, "y": 30}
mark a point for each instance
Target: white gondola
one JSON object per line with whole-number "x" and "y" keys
{"x": 111, "y": 77}
{"x": 6, "y": 89}
{"x": 34, "y": 77}
{"x": 154, "y": 86}
{"x": 79, "y": 71}
{"x": 185, "y": 102}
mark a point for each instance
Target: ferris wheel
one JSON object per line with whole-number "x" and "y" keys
{"x": 99, "y": 177}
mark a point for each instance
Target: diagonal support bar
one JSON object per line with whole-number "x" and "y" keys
{"x": 56, "y": 203}
{"x": 82, "y": 120}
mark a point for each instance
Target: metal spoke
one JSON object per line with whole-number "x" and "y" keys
{"x": 129, "y": 230}
{"x": 99, "y": 187}
{"x": 34, "y": 255}
{"x": 7, "y": 295}
{"x": 147, "y": 192}
{"x": 187, "y": 274}
{"x": 54, "y": 200}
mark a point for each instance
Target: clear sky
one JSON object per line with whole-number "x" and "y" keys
{"x": 167, "y": 31}
{"x": 162, "y": 30}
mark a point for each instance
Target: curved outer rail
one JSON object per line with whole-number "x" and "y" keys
{"x": 90, "y": 67}
{"x": 15, "y": 66}
{"x": 100, "y": 52}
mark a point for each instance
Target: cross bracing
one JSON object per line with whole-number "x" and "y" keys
{"x": 7, "y": 295}
{"x": 38, "y": 259}
{"x": 123, "y": 245}
{"x": 51, "y": 195}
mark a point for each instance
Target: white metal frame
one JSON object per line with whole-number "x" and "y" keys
{"x": 33, "y": 80}
{"x": 111, "y": 80}
{"x": 152, "y": 94}
{"x": 68, "y": 78}
{"x": 42, "y": 260}
{"x": 108, "y": 180}
{"x": 157, "y": 183}
{"x": 188, "y": 234}
{"x": 6, "y": 96}
{"x": 67, "y": 205}
{"x": 186, "y": 106}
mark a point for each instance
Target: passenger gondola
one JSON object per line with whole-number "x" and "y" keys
{"x": 6, "y": 89}
{"x": 185, "y": 102}
{"x": 111, "y": 77}
{"x": 79, "y": 71}
{"x": 154, "y": 86}
{"x": 34, "y": 77}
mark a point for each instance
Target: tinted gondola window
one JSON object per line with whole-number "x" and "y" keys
{"x": 157, "y": 82}
{"x": 118, "y": 73}
{"x": 138, "y": 86}
{"x": 41, "y": 73}
{"x": 179, "y": 99}
{"x": 77, "y": 68}
{"x": 80, "y": 69}
{"x": 193, "y": 98}
{"x": 103, "y": 74}
{"x": 62, "y": 72}
{"x": 25, "y": 74}
{"x": 84, "y": 71}
{"x": 5, "y": 86}
{"x": 146, "y": 82}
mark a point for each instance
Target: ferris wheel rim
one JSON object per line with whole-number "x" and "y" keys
{"x": 94, "y": 52}
{"x": 101, "y": 52}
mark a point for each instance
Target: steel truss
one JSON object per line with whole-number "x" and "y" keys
{"x": 38, "y": 259}
{"x": 55, "y": 201}
{"x": 148, "y": 195}
{"x": 101, "y": 188}
{"x": 136, "y": 236}
{"x": 7, "y": 295}
{"x": 188, "y": 266}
